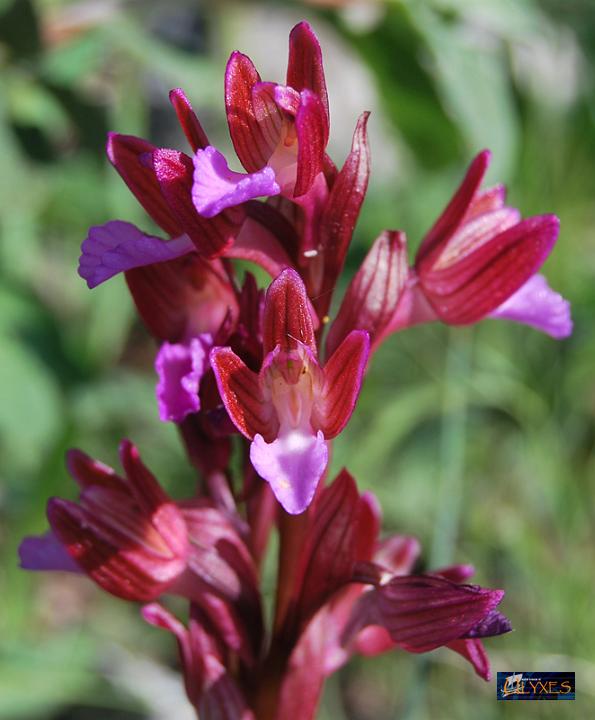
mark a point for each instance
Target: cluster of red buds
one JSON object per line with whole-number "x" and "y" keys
{"x": 271, "y": 377}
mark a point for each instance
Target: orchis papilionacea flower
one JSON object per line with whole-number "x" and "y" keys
{"x": 479, "y": 260}
{"x": 136, "y": 543}
{"x": 242, "y": 369}
{"x": 293, "y": 406}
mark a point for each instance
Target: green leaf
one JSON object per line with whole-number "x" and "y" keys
{"x": 30, "y": 407}
{"x": 470, "y": 71}
{"x": 69, "y": 63}
{"x": 29, "y": 103}
{"x": 34, "y": 679}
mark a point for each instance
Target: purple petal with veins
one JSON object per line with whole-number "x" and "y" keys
{"x": 536, "y": 304}
{"x": 180, "y": 367}
{"x": 292, "y": 464}
{"x": 117, "y": 246}
{"x": 45, "y": 552}
{"x": 216, "y": 187}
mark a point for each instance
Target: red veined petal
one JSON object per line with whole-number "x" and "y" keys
{"x": 373, "y": 294}
{"x": 191, "y": 126}
{"x": 304, "y": 67}
{"x": 247, "y": 136}
{"x": 242, "y": 395}
{"x": 341, "y": 211}
{"x": 312, "y": 135}
{"x": 343, "y": 375}
{"x": 287, "y": 314}
{"x": 483, "y": 280}
{"x": 454, "y": 213}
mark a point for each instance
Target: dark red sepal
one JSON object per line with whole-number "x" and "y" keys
{"x": 374, "y": 293}
{"x": 454, "y": 212}
{"x": 131, "y": 156}
{"x": 191, "y": 126}
{"x": 480, "y": 282}
{"x": 304, "y": 67}
{"x": 341, "y": 211}
{"x": 287, "y": 314}
{"x": 247, "y": 137}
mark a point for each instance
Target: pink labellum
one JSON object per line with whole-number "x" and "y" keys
{"x": 174, "y": 172}
{"x": 292, "y": 464}
{"x": 216, "y": 187}
{"x": 180, "y": 368}
{"x": 45, "y": 552}
{"x": 118, "y": 246}
{"x": 536, "y": 304}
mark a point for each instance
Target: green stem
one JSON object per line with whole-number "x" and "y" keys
{"x": 450, "y": 486}
{"x": 452, "y": 449}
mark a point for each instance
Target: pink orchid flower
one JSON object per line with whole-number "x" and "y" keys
{"x": 480, "y": 259}
{"x": 293, "y": 406}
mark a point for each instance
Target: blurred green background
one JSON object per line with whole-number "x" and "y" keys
{"x": 478, "y": 441}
